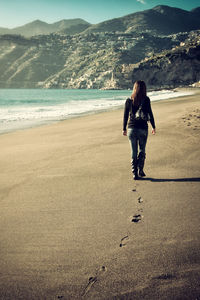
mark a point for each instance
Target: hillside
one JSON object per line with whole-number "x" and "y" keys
{"x": 96, "y": 60}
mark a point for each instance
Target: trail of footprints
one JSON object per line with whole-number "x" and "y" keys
{"x": 138, "y": 217}
{"x": 124, "y": 240}
{"x": 135, "y": 219}
{"x": 192, "y": 119}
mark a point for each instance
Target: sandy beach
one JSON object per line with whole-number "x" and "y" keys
{"x": 68, "y": 203}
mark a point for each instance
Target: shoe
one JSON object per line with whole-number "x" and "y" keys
{"x": 141, "y": 159}
{"x": 135, "y": 176}
{"x": 134, "y": 169}
{"x": 141, "y": 173}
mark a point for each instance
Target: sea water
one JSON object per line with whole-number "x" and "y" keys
{"x": 25, "y": 108}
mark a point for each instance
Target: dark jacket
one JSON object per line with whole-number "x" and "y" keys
{"x": 129, "y": 113}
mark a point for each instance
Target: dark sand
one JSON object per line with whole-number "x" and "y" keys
{"x": 68, "y": 202}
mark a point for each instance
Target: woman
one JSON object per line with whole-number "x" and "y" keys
{"x": 138, "y": 111}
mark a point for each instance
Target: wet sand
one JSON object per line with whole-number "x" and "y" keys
{"x": 74, "y": 225}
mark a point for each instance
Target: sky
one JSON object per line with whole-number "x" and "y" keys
{"x": 14, "y": 13}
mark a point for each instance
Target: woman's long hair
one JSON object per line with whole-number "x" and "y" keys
{"x": 139, "y": 92}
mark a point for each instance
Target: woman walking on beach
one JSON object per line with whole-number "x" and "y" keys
{"x": 137, "y": 113}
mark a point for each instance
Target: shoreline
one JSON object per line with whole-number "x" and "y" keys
{"x": 32, "y": 124}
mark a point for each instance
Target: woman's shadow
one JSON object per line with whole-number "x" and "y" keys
{"x": 192, "y": 179}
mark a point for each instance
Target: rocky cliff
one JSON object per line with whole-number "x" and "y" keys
{"x": 169, "y": 69}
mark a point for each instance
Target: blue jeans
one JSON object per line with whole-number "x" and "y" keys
{"x": 137, "y": 137}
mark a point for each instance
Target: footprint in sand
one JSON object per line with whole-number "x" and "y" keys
{"x": 102, "y": 269}
{"x": 124, "y": 240}
{"x": 94, "y": 279}
{"x": 136, "y": 218}
{"x": 140, "y": 200}
{"x": 166, "y": 276}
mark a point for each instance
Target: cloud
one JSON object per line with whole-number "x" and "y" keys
{"x": 141, "y": 1}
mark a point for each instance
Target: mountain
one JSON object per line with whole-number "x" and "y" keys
{"x": 196, "y": 11}
{"x": 38, "y": 27}
{"x": 160, "y": 20}
{"x": 102, "y": 57}
{"x": 34, "y": 28}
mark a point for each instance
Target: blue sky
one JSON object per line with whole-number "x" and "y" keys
{"x": 15, "y": 13}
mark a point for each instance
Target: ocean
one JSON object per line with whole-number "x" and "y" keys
{"x": 26, "y": 108}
